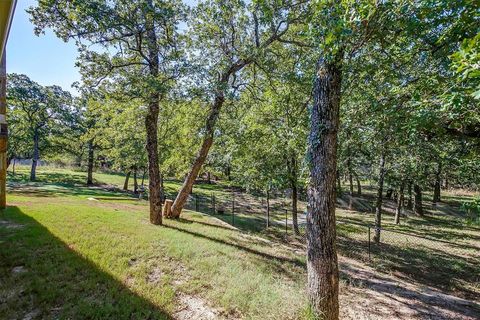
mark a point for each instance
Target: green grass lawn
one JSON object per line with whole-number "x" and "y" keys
{"x": 65, "y": 256}
{"x": 92, "y": 259}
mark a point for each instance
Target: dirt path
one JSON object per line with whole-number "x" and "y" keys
{"x": 370, "y": 295}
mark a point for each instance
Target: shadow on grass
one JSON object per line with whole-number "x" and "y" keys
{"x": 439, "y": 269}
{"x": 264, "y": 255}
{"x": 432, "y": 305}
{"x": 43, "y": 277}
{"x": 50, "y": 184}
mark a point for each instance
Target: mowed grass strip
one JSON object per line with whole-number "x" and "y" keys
{"x": 68, "y": 257}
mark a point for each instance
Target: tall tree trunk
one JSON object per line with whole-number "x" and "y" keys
{"x": 400, "y": 199}
{"x": 322, "y": 264}
{"x": 268, "y": 207}
{"x": 143, "y": 176}
{"x": 127, "y": 178}
{"x": 135, "y": 181}
{"x": 36, "y": 155}
{"x": 410, "y": 202}
{"x": 378, "y": 205}
{"x": 438, "y": 183}
{"x": 339, "y": 183}
{"x": 350, "y": 181}
{"x": 90, "y": 163}
{"x": 417, "y": 205}
{"x": 350, "y": 175}
{"x": 295, "y": 208}
{"x": 151, "y": 125}
{"x": 359, "y": 186}
{"x": 292, "y": 175}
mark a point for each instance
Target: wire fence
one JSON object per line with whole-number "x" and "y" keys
{"x": 362, "y": 241}
{"x": 446, "y": 258}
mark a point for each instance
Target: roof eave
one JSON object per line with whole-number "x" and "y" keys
{"x": 8, "y": 7}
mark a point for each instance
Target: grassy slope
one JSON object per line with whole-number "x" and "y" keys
{"x": 89, "y": 259}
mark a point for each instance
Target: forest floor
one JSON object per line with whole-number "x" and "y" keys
{"x": 68, "y": 251}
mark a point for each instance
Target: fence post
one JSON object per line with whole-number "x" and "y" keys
{"x": 233, "y": 208}
{"x": 286, "y": 221}
{"x": 368, "y": 242}
{"x": 196, "y": 202}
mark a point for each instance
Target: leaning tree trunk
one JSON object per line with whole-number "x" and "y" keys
{"x": 90, "y": 163}
{"x": 36, "y": 155}
{"x": 201, "y": 156}
{"x": 438, "y": 184}
{"x": 127, "y": 178}
{"x": 399, "y": 208}
{"x": 378, "y": 205}
{"x": 417, "y": 200}
{"x": 186, "y": 189}
{"x": 151, "y": 125}
{"x": 322, "y": 264}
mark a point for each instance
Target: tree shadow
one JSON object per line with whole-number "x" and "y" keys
{"x": 265, "y": 255}
{"x": 58, "y": 187}
{"x": 43, "y": 278}
{"x": 427, "y": 303}
{"x": 441, "y": 269}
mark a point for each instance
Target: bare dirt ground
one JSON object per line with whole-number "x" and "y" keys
{"x": 367, "y": 294}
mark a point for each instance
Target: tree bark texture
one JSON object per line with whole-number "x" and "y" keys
{"x": 151, "y": 125}
{"x": 127, "y": 178}
{"x": 417, "y": 200}
{"x": 322, "y": 264}
{"x": 359, "y": 186}
{"x": 90, "y": 163}
{"x": 410, "y": 202}
{"x": 135, "y": 180}
{"x": 35, "y": 156}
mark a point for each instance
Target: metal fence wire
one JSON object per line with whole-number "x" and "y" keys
{"x": 395, "y": 249}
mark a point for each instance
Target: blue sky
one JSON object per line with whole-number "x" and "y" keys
{"x": 45, "y": 59}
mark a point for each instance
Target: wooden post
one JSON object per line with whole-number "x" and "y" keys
{"x": 167, "y": 208}
{"x": 3, "y": 132}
